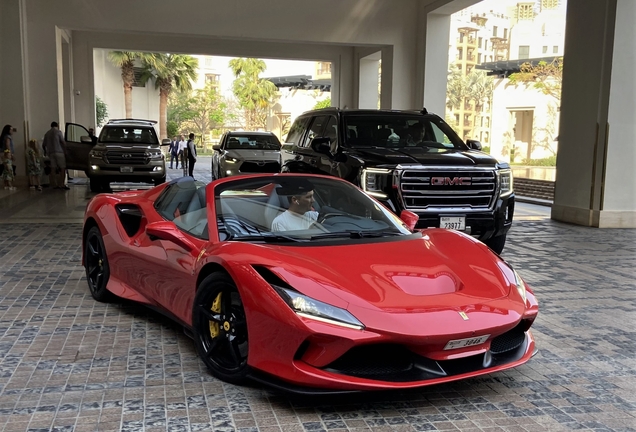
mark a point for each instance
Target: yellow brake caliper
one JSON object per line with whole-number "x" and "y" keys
{"x": 216, "y": 307}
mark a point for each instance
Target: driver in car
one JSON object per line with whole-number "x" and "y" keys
{"x": 300, "y": 215}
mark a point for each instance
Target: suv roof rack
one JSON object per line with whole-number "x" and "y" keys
{"x": 132, "y": 121}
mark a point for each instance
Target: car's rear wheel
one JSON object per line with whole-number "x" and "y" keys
{"x": 220, "y": 328}
{"x": 496, "y": 243}
{"x": 96, "y": 264}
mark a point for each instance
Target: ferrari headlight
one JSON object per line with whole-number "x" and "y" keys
{"x": 505, "y": 181}
{"x": 374, "y": 181}
{"x": 317, "y": 310}
{"x": 521, "y": 285}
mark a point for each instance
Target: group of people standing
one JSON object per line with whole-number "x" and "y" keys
{"x": 54, "y": 147}
{"x": 184, "y": 151}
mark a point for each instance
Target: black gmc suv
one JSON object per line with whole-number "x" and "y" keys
{"x": 409, "y": 160}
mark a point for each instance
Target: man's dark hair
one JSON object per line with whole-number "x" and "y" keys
{"x": 191, "y": 136}
{"x": 54, "y": 124}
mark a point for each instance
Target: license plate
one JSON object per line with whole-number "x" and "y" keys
{"x": 462, "y": 343}
{"x": 126, "y": 169}
{"x": 453, "y": 222}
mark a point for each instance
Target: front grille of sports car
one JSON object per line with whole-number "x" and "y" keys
{"x": 119, "y": 157}
{"x": 395, "y": 363}
{"x": 260, "y": 167}
{"x": 448, "y": 189}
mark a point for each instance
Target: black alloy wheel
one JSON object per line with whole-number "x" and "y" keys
{"x": 96, "y": 264}
{"x": 220, "y": 328}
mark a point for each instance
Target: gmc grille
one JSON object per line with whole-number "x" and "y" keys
{"x": 260, "y": 167}
{"x": 118, "y": 157}
{"x": 448, "y": 189}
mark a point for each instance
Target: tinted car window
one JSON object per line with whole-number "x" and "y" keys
{"x": 400, "y": 131}
{"x": 316, "y": 129}
{"x": 184, "y": 203}
{"x": 128, "y": 134}
{"x": 296, "y": 131}
{"x": 331, "y": 132}
{"x": 252, "y": 142}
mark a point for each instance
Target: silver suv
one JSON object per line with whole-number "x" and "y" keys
{"x": 126, "y": 151}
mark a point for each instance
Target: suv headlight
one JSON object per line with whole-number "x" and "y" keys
{"x": 96, "y": 154}
{"x": 230, "y": 159}
{"x": 317, "y": 310}
{"x": 374, "y": 181}
{"x": 154, "y": 155}
{"x": 505, "y": 182}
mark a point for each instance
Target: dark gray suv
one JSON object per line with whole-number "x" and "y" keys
{"x": 126, "y": 151}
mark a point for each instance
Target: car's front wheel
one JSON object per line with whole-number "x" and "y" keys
{"x": 157, "y": 182}
{"x": 220, "y": 328}
{"x": 496, "y": 243}
{"x": 96, "y": 185}
{"x": 96, "y": 265}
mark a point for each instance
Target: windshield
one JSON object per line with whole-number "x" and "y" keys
{"x": 300, "y": 209}
{"x": 128, "y": 135}
{"x": 400, "y": 131}
{"x": 252, "y": 142}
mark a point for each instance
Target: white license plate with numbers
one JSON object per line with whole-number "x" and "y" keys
{"x": 453, "y": 222}
{"x": 126, "y": 169}
{"x": 462, "y": 343}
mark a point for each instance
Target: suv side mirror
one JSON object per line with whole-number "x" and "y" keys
{"x": 165, "y": 141}
{"x": 473, "y": 144}
{"x": 216, "y": 147}
{"x": 321, "y": 145}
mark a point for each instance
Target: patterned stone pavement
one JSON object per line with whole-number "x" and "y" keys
{"x": 68, "y": 363}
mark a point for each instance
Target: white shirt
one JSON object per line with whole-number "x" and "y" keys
{"x": 182, "y": 146}
{"x": 290, "y": 221}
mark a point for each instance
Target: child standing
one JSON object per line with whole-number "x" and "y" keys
{"x": 34, "y": 165}
{"x": 7, "y": 172}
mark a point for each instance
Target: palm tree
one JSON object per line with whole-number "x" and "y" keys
{"x": 254, "y": 94}
{"x": 169, "y": 71}
{"x": 125, "y": 60}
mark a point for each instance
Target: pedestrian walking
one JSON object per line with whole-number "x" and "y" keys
{"x": 192, "y": 155}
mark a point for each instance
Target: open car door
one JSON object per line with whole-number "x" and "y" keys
{"x": 78, "y": 145}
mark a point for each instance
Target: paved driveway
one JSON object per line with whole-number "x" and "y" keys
{"x": 69, "y": 363}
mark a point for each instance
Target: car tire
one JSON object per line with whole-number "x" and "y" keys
{"x": 496, "y": 243}
{"x": 220, "y": 328}
{"x": 96, "y": 265}
{"x": 96, "y": 185}
{"x": 159, "y": 181}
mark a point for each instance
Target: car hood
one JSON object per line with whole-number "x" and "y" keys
{"x": 254, "y": 154}
{"x": 124, "y": 147}
{"x": 440, "y": 270}
{"x": 422, "y": 156}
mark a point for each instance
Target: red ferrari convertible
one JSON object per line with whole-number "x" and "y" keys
{"x": 308, "y": 284}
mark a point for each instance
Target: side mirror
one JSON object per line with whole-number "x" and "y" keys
{"x": 165, "y": 141}
{"x": 409, "y": 218}
{"x": 165, "y": 230}
{"x": 86, "y": 140}
{"x": 216, "y": 147}
{"x": 321, "y": 145}
{"x": 473, "y": 144}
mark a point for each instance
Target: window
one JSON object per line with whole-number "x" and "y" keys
{"x": 460, "y": 53}
{"x": 296, "y": 132}
{"x": 544, "y": 50}
{"x": 494, "y": 31}
{"x": 137, "y": 82}
{"x": 128, "y": 134}
{"x": 184, "y": 203}
{"x": 555, "y": 49}
{"x": 331, "y": 132}
{"x": 324, "y": 68}
{"x": 524, "y": 51}
{"x": 480, "y": 41}
{"x": 479, "y": 58}
{"x": 505, "y": 35}
{"x": 316, "y": 128}
{"x": 214, "y": 79}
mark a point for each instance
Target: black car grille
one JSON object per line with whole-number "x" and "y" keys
{"x": 508, "y": 341}
{"x": 118, "y": 157}
{"x": 260, "y": 167}
{"x": 426, "y": 189}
